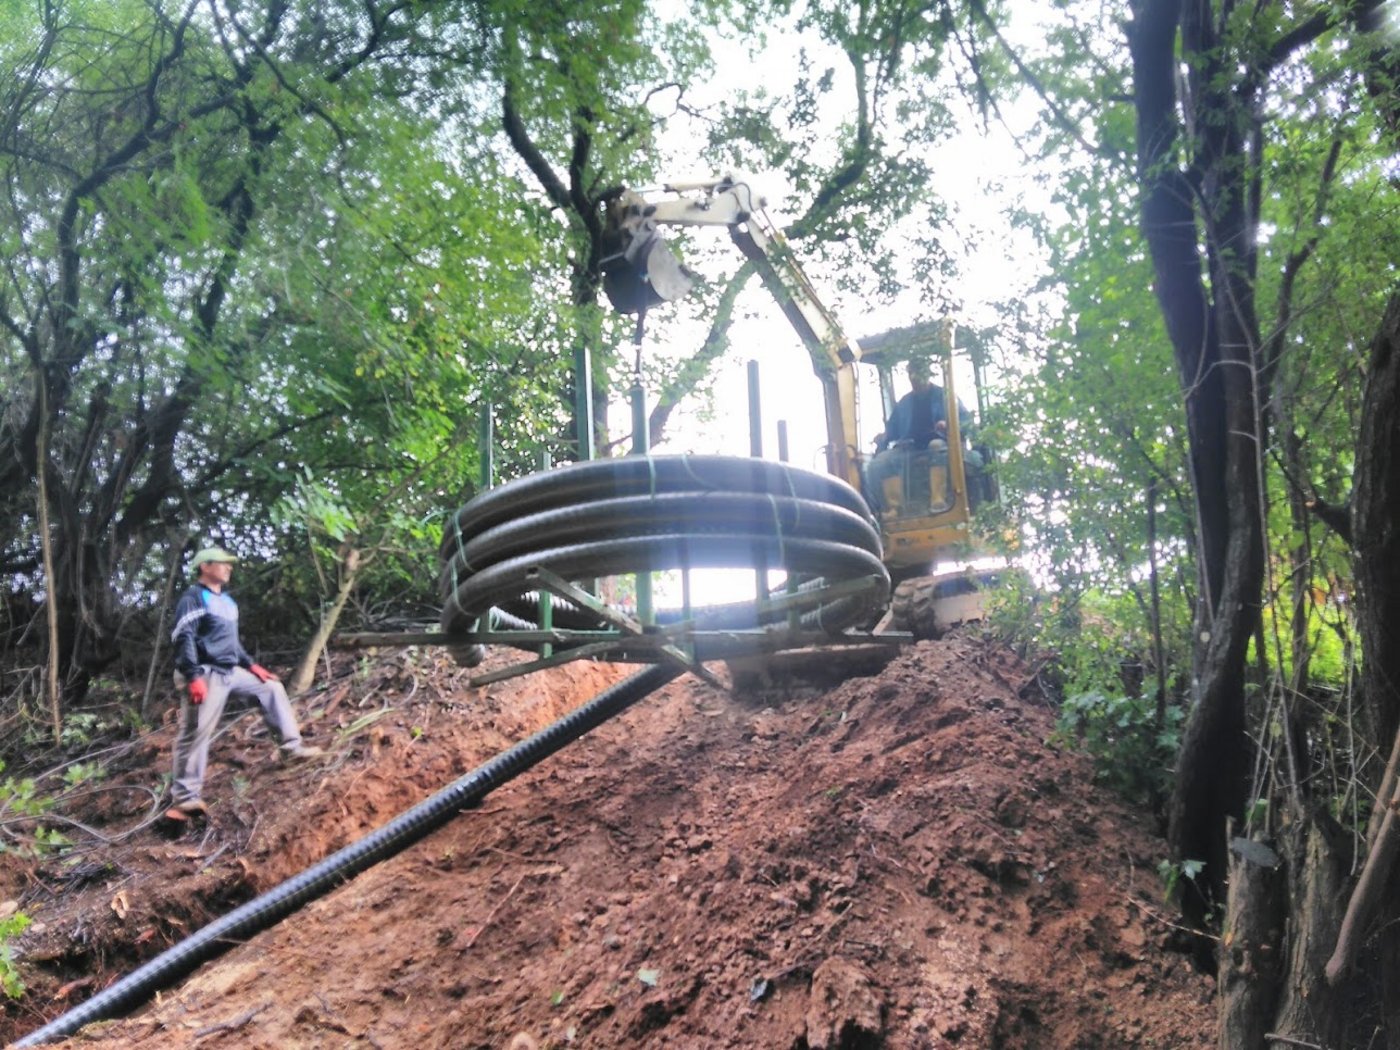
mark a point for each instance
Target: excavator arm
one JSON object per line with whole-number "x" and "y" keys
{"x": 640, "y": 272}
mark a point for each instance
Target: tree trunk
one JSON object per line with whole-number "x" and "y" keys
{"x": 1376, "y": 531}
{"x": 305, "y": 673}
{"x": 1214, "y": 336}
{"x": 1317, "y": 865}
{"x": 167, "y": 596}
{"x": 1251, "y": 957}
{"x": 46, "y": 546}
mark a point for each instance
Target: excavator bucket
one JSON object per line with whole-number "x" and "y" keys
{"x": 643, "y": 272}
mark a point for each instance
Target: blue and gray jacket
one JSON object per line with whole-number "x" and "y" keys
{"x": 206, "y": 632}
{"x": 916, "y": 417}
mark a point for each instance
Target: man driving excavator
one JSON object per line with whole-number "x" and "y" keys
{"x": 916, "y": 429}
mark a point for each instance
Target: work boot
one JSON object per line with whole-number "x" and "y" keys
{"x": 303, "y": 753}
{"x": 183, "y": 811}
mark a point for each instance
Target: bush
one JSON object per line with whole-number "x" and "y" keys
{"x": 1131, "y": 754}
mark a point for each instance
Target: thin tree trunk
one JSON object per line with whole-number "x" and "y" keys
{"x": 351, "y": 564}
{"x": 1158, "y": 650}
{"x": 46, "y": 545}
{"x": 1386, "y": 791}
{"x": 175, "y": 556}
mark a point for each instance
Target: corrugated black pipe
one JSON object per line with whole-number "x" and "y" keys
{"x": 473, "y": 595}
{"x": 651, "y": 513}
{"x": 265, "y": 911}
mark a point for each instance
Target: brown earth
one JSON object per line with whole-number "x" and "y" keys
{"x": 895, "y": 861}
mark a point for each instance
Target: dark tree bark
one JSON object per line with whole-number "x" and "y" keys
{"x": 1214, "y": 335}
{"x": 1199, "y": 93}
{"x": 1376, "y": 525}
{"x": 1252, "y": 940}
{"x": 1316, "y": 854}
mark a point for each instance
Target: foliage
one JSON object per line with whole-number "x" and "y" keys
{"x": 1132, "y": 755}
{"x": 21, "y": 797}
{"x": 80, "y": 773}
{"x": 1095, "y": 653}
{"x": 1171, "y": 874}
{"x": 242, "y": 254}
{"x": 10, "y": 928}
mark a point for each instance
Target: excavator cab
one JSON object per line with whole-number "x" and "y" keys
{"x": 922, "y": 494}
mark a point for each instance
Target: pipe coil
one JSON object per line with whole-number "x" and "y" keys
{"x": 654, "y": 513}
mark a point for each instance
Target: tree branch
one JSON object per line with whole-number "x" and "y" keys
{"x": 1063, "y": 120}
{"x": 526, "y": 149}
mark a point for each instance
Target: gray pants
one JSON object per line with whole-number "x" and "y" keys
{"x": 236, "y": 690}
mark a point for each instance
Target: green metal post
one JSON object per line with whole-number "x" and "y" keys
{"x": 641, "y": 446}
{"x": 756, "y": 450}
{"x": 546, "y": 599}
{"x": 485, "y": 441}
{"x": 794, "y": 619}
{"x": 583, "y": 399}
{"x": 755, "y": 415}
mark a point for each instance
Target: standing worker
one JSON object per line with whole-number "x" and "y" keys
{"x": 213, "y": 668}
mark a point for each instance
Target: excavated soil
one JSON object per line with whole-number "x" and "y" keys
{"x": 893, "y": 861}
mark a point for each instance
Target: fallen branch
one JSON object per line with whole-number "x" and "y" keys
{"x": 492, "y": 914}
{"x": 233, "y": 1025}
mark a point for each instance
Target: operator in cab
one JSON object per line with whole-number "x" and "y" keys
{"x": 918, "y": 425}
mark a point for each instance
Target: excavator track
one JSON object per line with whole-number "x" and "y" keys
{"x": 927, "y": 606}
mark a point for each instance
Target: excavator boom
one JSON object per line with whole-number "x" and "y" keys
{"x": 730, "y": 203}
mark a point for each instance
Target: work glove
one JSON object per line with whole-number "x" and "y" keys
{"x": 264, "y": 675}
{"x": 199, "y": 689}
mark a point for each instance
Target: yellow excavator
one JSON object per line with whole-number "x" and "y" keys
{"x": 926, "y": 503}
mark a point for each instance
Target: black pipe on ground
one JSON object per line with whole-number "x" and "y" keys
{"x": 265, "y": 911}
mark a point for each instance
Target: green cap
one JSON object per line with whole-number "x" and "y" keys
{"x": 213, "y": 554}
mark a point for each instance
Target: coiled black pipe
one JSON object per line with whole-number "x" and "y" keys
{"x": 580, "y": 483}
{"x": 697, "y": 513}
{"x": 263, "y": 912}
{"x": 643, "y": 514}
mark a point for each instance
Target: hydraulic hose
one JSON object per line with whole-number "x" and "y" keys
{"x": 654, "y": 513}
{"x": 265, "y": 911}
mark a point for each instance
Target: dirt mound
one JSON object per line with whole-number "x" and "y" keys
{"x": 898, "y": 861}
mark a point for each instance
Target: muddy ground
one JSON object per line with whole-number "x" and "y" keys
{"x": 900, "y": 860}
